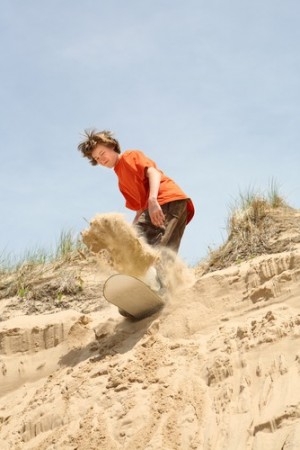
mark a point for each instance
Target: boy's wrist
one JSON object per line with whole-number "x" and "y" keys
{"x": 152, "y": 199}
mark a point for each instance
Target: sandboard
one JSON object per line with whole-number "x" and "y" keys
{"x": 131, "y": 295}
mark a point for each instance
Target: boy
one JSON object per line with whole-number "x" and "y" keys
{"x": 162, "y": 208}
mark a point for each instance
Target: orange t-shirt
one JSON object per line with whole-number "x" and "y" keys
{"x": 134, "y": 184}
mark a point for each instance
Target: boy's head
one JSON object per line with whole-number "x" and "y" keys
{"x": 94, "y": 138}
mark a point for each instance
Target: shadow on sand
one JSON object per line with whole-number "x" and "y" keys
{"x": 110, "y": 338}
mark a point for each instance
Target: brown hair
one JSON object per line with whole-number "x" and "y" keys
{"x": 93, "y": 138}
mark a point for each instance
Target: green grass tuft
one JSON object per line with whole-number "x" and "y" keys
{"x": 66, "y": 245}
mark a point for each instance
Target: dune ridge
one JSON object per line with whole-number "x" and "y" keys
{"x": 218, "y": 367}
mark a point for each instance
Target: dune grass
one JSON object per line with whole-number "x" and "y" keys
{"x": 256, "y": 203}
{"x": 64, "y": 248}
{"x": 42, "y": 273}
{"x": 252, "y": 206}
{"x": 275, "y": 199}
{"x": 249, "y": 226}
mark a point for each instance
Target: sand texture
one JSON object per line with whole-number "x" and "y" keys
{"x": 218, "y": 368}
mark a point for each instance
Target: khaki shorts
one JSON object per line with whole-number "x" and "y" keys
{"x": 175, "y": 222}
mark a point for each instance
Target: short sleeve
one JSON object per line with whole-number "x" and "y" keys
{"x": 137, "y": 162}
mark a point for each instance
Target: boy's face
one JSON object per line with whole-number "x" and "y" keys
{"x": 105, "y": 156}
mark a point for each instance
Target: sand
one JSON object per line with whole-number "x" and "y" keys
{"x": 117, "y": 243}
{"x": 217, "y": 368}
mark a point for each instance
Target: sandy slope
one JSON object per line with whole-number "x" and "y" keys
{"x": 218, "y": 368}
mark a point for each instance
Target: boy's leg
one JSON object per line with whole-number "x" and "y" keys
{"x": 175, "y": 214}
{"x": 170, "y": 236}
{"x": 150, "y": 232}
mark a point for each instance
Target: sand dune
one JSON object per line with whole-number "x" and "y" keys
{"x": 217, "y": 368}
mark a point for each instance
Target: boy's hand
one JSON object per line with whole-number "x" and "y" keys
{"x": 156, "y": 215}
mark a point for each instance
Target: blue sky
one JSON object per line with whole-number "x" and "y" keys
{"x": 208, "y": 89}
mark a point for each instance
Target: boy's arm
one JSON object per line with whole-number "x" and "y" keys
{"x": 156, "y": 215}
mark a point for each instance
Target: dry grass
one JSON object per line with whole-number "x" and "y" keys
{"x": 256, "y": 226}
{"x": 43, "y": 275}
